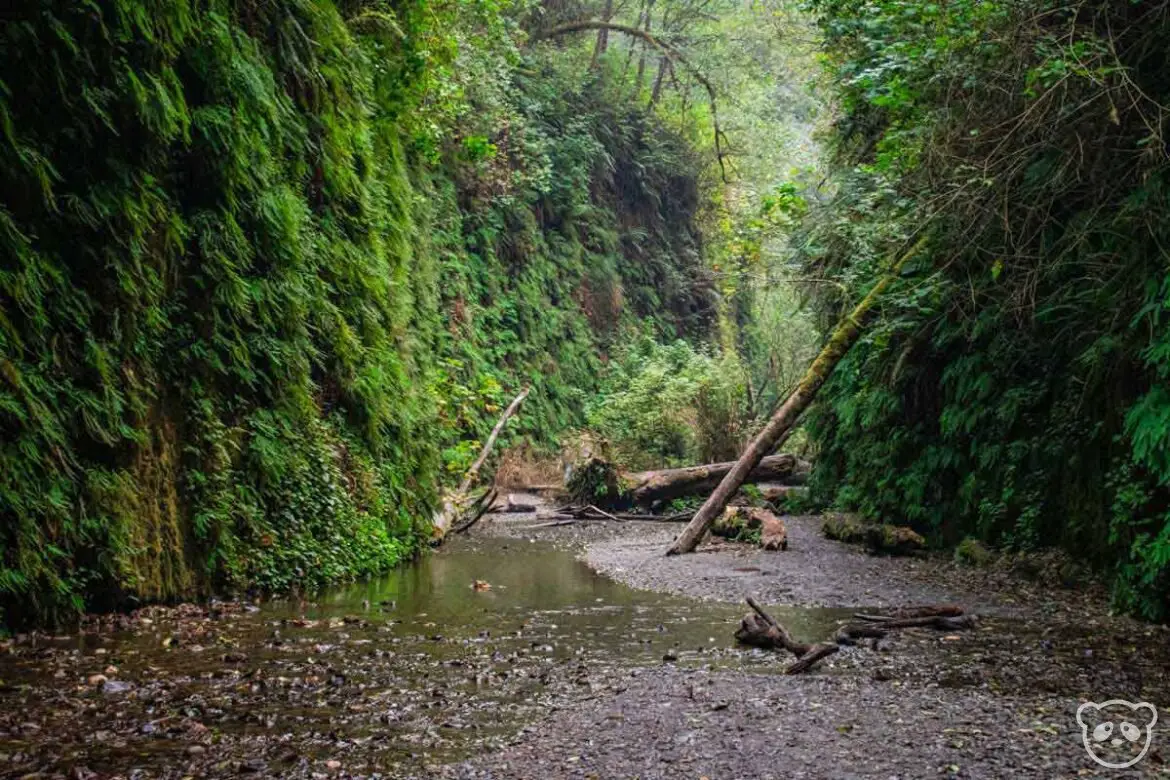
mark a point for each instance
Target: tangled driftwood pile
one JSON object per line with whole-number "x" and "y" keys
{"x": 760, "y": 629}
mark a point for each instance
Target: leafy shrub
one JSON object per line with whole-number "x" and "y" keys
{"x": 671, "y": 405}
{"x": 972, "y": 552}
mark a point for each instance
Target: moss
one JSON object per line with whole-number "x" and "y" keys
{"x": 972, "y": 552}
{"x": 878, "y": 538}
{"x": 254, "y": 311}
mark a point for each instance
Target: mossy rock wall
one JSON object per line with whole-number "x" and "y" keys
{"x": 248, "y": 324}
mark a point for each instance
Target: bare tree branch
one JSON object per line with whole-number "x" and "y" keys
{"x": 667, "y": 50}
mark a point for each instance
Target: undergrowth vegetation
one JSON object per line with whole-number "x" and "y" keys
{"x": 270, "y": 269}
{"x": 671, "y": 405}
{"x": 1014, "y": 389}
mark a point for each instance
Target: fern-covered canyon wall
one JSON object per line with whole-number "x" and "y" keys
{"x": 270, "y": 268}
{"x": 1015, "y": 387}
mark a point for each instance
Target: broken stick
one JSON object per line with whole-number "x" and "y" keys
{"x": 763, "y": 630}
{"x": 455, "y": 505}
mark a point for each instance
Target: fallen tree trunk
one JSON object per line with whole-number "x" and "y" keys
{"x": 646, "y": 487}
{"x": 845, "y": 335}
{"x": 598, "y": 482}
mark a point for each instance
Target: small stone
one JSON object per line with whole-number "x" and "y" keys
{"x": 195, "y": 750}
{"x": 333, "y": 764}
{"x": 669, "y": 657}
{"x": 96, "y": 679}
{"x": 115, "y": 686}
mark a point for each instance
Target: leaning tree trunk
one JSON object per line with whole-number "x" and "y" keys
{"x": 459, "y": 503}
{"x": 844, "y": 337}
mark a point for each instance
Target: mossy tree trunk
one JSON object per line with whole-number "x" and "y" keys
{"x": 844, "y": 336}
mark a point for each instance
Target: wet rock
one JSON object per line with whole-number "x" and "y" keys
{"x": 111, "y": 687}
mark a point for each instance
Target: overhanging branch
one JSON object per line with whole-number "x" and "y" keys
{"x": 667, "y": 50}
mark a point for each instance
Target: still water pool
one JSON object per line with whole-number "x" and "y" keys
{"x": 385, "y": 677}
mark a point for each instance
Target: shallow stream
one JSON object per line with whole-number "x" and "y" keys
{"x": 384, "y": 678}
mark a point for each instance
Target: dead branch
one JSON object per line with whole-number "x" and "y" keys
{"x": 478, "y": 510}
{"x": 456, "y": 505}
{"x": 760, "y": 629}
{"x": 473, "y": 472}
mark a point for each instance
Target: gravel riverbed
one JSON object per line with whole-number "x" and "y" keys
{"x": 507, "y": 655}
{"x": 997, "y": 702}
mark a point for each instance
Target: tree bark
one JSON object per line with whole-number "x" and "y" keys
{"x": 844, "y": 337}
{"x": 455, "y": 505}
{"x": 647, "y": 487}
{"x": 602, "y": 44}
{"x": 641, "y": 77}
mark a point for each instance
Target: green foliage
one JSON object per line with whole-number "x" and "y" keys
{"x": 203, "y": 237}
{"x": 671, "y": 405}
{"x": 270, "y": 268}
{"x": 1012, "y": 389}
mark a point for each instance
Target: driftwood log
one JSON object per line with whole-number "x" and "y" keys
{"x": 759, "y": 629}
{"x": 646, "y": 487}
{"x": 762, "y": 630}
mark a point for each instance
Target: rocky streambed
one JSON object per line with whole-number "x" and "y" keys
{"x": 537, "y": 651}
